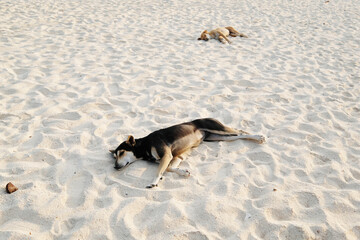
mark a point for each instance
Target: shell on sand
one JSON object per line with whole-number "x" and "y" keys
{"x": 10, "y": 188}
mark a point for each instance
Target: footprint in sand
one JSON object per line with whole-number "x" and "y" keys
{"x": 65, "y": 229}
{"x": 307, "y": 199}
{"x": 34, "y": 141}
{"x": 194, "y": 235}
{"x": 76, "y": 188}
{"x": 280, "y": 214}
{"x": 293, "y": 232}
{"x": 103, "y": 202}
{"x": 67, "y": 116}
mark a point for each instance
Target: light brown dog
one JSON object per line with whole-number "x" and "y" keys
{"x": 221, "y": 34}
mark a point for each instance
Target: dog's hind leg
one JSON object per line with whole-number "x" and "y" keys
{"x": 232, "y": 137}
{"x": 243, "y": 35}
{"x": 222, "y": 37}
{"x": 235, "y": 33}
{"x": 173, "y": 167}
{"x": 164, "y": 164}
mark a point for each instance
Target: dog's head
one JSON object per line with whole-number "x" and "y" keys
{"x": 204, "y": 36}
{"x": 123, "y": 154}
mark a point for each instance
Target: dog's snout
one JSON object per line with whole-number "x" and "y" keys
{"x": 120, "y": 166}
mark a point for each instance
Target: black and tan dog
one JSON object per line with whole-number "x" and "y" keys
{"x": 167, "y": 146}
{"x": 221, "y": 34}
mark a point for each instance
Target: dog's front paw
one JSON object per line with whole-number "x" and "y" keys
{"x": 183, "y": 172}
{"x": 151, "y": 185}
{"x": 261, "y": 139}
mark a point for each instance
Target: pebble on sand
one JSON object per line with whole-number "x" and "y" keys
{"x": 10, "y": 188}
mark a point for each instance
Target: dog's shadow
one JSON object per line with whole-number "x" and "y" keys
{"x": 136, "y": 175}
{"x": 140, "y": 173}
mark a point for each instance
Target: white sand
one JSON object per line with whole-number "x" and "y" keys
{"x": 76, "y": 77}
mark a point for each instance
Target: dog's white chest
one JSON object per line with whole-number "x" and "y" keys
{"x": 224, "y": 31}
{"x": 155, "y": 155}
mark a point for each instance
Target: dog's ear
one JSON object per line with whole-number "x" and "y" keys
{"x": 112, "y": 151}
{"x": 131, "y": 140}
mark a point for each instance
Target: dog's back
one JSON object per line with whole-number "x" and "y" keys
{"x": 207, "y": 125}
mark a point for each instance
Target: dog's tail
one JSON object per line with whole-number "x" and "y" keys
{"x": 216, "y": 131}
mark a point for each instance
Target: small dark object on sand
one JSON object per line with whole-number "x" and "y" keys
{"x": 10, "y": 188}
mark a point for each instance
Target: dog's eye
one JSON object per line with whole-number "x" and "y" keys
{"x": 119, "y": 154}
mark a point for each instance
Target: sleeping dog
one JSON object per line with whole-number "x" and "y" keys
{"x": 221, "y": 34}
{"x": 168, "y": 146}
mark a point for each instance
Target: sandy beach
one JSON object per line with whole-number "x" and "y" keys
{"x": 77, "y": 77}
